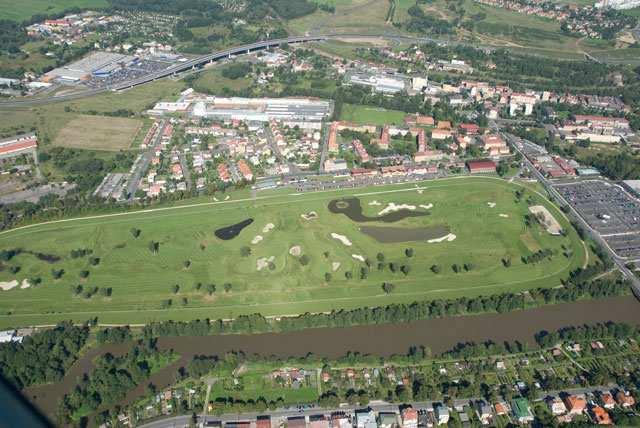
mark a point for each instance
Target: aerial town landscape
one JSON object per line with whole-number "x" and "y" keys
{"x": 320, "y": 213}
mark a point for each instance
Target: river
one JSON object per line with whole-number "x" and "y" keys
{"x": 438, "y": 334}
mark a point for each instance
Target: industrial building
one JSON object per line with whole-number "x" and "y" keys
{"x": 304, "y": 112}
{"x": 97, "y": 64}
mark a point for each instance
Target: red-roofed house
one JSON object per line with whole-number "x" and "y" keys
{"x": 576, "y": 404}
{"x": 18, "y": 145}
{"x": 469, "y": 128}
{"x": 601, "y": 416}
{"x": 245, "y": 170}
{"x": 625, "y": 399}
{"x": 409, "y": 417}
{"x": 223, "y": 173}
{"x": 481, "y": 166}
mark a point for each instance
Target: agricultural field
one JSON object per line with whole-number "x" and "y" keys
{"x": 371, "y": 115}
{"x": 22, "y": 10}
{"x": 107, "y": 133}
{"x": 284, "y": 253}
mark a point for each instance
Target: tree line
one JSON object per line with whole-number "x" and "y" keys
{"x": 397, "y": 313}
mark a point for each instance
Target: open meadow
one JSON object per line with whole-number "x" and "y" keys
{"x": 285, "y": 253}
{"x": 25, "y": 9}
{"x": 107, "y": 133}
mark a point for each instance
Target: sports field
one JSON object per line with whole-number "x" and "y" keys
{"x": 107, "y": 133}
{"x": 371, "y": 115}
{"x": 475, "y": 222}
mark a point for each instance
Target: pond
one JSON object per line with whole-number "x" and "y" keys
{"x": 351, "y": 208}
{"x": 389, "y": 235}
{"x": 230, "y": 232}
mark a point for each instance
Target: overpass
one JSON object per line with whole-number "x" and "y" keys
{"x": 170, "y": 71}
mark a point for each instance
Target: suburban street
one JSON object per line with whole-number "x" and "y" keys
{"x": 349, "y": 410}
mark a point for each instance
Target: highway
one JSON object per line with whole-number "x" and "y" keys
{"x": 617, "y": 260}
{"x": 176, "y": 68}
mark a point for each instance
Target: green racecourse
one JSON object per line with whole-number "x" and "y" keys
{"x": 141, "y": 280}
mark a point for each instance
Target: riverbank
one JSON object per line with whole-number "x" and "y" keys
{"x": 439, "y": 335}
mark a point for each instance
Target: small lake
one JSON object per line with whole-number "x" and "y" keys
{"x": 351, "y": 208}
{"x": 439, "y": 335}
{"x": 230, "y": 232}
{"x": 389, "y": 235}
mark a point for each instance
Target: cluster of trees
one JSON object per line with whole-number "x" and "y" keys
{"x": 12, "y": 36}
{"x": 420, "y": 22}
{"x": 236, "y": 70}
{"x": 42, "y": 357}
{"x": 114, "y": 335}
{"x": 111, "y": 379}
{"x": 81, "y": 252}
{"x": 586, "y": 333}
{"x": 88, "y": 292}
{"x": 537, "y": 257}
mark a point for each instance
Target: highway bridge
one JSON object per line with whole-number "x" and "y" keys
{"x": 172, "y": 70}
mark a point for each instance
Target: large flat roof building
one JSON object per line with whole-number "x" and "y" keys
{"x": 262, "y": 109}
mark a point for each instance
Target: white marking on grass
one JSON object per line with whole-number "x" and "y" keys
{"x": 450, "y": 237}
{"x": 391, "y": 207}
{"x": 342, "y": 239}
{"x": 358, "y": 257}
{"x": 295, "y": 251}
{"x": 6, "y": 286}
{"x": 268, "y": 228}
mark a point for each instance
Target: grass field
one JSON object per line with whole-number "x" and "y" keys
{"x": 141, "y": 280}
{"x": 371, "y": 115}
{"x": 107, "y": 133}
{"x": 25, "y": 9}
{"x": 49, "y": 119}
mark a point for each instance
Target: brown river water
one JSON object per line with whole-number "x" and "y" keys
{"x": 386, "y": 339}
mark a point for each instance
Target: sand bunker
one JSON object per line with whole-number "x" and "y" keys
{"x": 227, "y": 198}
{"x": 342, "y": 239}
{"x": 420, "y": 191}
{"x": 5, "y": 286}
{"x": 295, "y": 251}
{"x": 450, "y": 237}
{"x": 391, "y": 207}
{"x": 215, "y": 199}
{"x": 491, "y": 204}
{"x": 256, "y": 239}
{"x": 358, "y": 257}
{"x": 548, "y": 220}
{"x": 335, "y": 266}
{"x": 311, "y": 215}
{"x": 375, "y": 203}
{"x": 263, "y": 262}
{"x": 426, "y": 207}
{"x": 268, "y": 228}
{"x": 25, "y": 284}
{"x": 504, "y": 215}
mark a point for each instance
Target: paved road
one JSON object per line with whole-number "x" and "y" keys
{"x": 619, "y": 262}
{"x": 143, "y": 163}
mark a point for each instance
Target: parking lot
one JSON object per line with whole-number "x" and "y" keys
{"x": 609, "y": 210}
